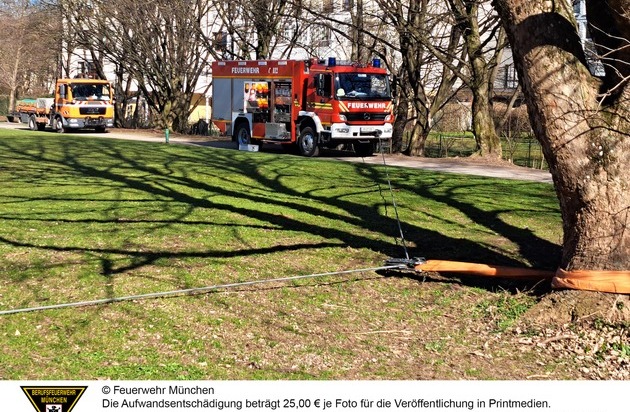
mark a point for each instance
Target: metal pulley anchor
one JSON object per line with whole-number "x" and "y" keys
{"x": 410, "y": 263}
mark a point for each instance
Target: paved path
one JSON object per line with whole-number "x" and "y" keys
{"x": 464, "y": 166}
{"x": 449, "y": 165}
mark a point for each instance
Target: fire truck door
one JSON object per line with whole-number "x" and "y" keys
{"x": 238, "y": 96}
{"x": 323, "y": 98}
{"x": 221, "y": 101}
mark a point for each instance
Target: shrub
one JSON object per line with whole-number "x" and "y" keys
{"x": 517, "y": 123}
{"x": 454, "y": 117}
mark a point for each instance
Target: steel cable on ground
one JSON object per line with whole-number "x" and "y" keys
{"x": 206, "y": 289}
{"x": 391, "y": 191}
{"x": 192, "y": 291}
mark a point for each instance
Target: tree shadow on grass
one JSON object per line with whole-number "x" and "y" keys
{"x": 484, "y": 209}
{"x": 185, "y": 180}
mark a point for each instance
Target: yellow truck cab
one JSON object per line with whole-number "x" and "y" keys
{"x": 78, "y": 104}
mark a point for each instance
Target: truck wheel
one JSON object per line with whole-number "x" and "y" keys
{"x": 32, "y": 123}
{"x": 307, "y": 143}
{"x": 363, "y": 149}
{"x": 242, "y": 134}
{"x": 59, "y": 125}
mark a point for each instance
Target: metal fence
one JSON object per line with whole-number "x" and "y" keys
{"x": 522, "y": 151}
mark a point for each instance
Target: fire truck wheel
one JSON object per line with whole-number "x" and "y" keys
{"x": 32, "y": 123}
{"x": 242, "y": 134}
{"x": 307, "y": 143}
{"x": 59, "y": 125}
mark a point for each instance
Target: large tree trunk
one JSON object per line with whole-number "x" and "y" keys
{"x": 417, "y": 140}
{"x": 15, "y": 70}
{"x": 359, "y": 52}
{"x": 14, "y": 81}
{"x": 467, "y": 18}
{"x": 488, "y": 142}
{"x": 175, "y": 112}
{"x": 584, "y": 137}
{"x": 400, "y": 123}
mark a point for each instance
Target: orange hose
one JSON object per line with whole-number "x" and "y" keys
{"x": 612, "y": 281}
{"x": 483, "y": 270}
{"x": 594, "y": 280}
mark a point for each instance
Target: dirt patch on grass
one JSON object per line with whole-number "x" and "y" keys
{"x": 565, "y": 307}
{"x": 424, "y": 328}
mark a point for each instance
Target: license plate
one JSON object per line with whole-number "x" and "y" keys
{"x": 367, "y": 129}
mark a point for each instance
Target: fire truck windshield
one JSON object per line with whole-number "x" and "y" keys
{"x": 362, "y": 86}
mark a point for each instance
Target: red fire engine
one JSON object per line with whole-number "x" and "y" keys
{"x": 311, "y": 104}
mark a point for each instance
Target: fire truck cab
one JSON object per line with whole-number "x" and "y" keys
{"x": 311, "y": 104}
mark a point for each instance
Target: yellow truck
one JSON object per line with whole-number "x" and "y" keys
{"x": 78, "y": 104}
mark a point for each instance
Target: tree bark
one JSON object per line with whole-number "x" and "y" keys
{"x": 417, "y": 140}
{"x": 466, "y": 14}
{"x": 400, "y": 123}
{"x": 14, "y": 79}
{"x": 359, "y": 51}
{"x": 584, "y": 136}
{"x": 488, "y": 142}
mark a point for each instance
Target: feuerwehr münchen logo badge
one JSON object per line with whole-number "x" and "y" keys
{"x": 54, "y": 398}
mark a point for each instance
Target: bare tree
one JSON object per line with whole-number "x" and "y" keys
{"x": 356, "y": 26}
{"x": 256, "y": 28}
{"x": 484, "y": 40}
{"x": 27, "y": 51}
{"x": 425, "y": 83}
{"x": 361, "y": 46}
{"x": 162, "y": 45}
{"x": 581, "y": 120}
{"x": 266, "y": 17}
{"x": 438, "y": 40}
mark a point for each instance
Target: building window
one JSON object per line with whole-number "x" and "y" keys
{"x": 220, "y": 40}
{"x": 86, "y": 69}
{"x": 510, "y": 79}
{"x": 288, "y": 33}
{"x": 593, "y": 59}
{"x": 321, "y": 36}
{"x": 222, "y": 44}
{"x": 579, "y": 7}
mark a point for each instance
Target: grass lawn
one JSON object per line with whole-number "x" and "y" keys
{"x": 91, "y": 218}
